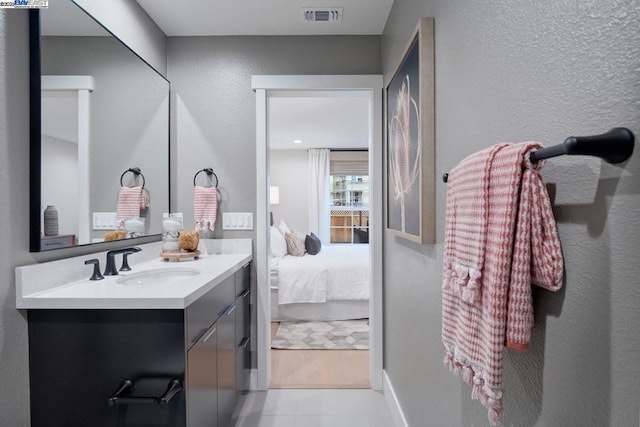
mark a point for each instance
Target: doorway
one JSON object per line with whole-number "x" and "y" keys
{"x": 65, "y": 151}
{"x": 266, "y": 86}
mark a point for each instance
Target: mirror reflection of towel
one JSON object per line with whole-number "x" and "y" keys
{"x": 130, "y": 201}
{"x": 205, "y": 207}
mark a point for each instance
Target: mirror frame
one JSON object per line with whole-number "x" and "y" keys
{"x": 35, "y": 136}
{"x": 35, "y": 117}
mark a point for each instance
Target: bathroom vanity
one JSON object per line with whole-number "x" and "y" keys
{"x": 166, "y": 344}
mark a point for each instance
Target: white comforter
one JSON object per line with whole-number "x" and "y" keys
{"x": 339, "y": 272}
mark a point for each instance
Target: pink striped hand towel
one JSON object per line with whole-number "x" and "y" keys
{"x": 500, "y": 237}
{"x": 205, "y": 207}
{"x": 130, "y": 201}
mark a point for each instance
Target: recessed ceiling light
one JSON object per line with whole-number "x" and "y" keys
{"x": 297, "y": 141}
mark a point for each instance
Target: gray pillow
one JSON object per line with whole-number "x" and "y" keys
{"x": 312, "y": 244}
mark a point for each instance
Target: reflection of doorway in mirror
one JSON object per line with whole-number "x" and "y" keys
{"x": 65, "y": 153}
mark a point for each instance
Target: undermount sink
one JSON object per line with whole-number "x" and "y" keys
{"x": 157, "y": 276}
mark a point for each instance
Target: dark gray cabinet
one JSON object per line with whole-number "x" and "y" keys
{"x": 227, "y": 310}
{"x": 79, "y": 359}
{"x": 202, "y": 380}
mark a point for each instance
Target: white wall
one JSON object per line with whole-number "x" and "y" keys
{"x": 60, "y": 182}
{"x": 517, "y": 71}
{"x": 289, "y": 170}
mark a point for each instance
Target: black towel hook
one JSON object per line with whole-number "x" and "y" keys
{"x": 136, "y": 171}
{"x": 209, "y": 172}
{"x": 614, "y": 146}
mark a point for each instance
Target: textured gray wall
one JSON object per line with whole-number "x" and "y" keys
{"x": 14, "y": 222}
{"x": 516, "y": 71}
{"x": 213, "y": 106}
{"x": 289, "y": 170}
{"x": 14, "y": 225}
{"x": 214, "y": 111}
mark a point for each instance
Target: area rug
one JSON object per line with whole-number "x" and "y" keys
{"x": 333, "y": 335}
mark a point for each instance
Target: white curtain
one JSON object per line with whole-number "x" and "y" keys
{"x": 319, "y": 193}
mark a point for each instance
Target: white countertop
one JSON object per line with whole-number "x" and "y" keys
{"x": 52, "y": 286}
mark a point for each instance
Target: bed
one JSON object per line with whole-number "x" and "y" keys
{"x": 332, "y": 285}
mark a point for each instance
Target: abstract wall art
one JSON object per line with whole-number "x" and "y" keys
{"x": 410, "y": 140}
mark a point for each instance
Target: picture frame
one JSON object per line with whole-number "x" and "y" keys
{"x": 410, "y": 139}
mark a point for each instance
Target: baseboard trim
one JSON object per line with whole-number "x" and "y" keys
{"x": 392, "y": 401}
{"x": 253, "y": 380}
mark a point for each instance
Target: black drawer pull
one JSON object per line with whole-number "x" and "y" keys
{"x": 174, "y": 387}
{"x": 244, "y": 342}
{"x": 245, "y": 293}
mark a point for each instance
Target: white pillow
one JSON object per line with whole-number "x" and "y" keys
{"x": 278, "y": 243}
{"x": 284, "y": 228}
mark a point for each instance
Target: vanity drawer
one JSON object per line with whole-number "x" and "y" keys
{"x": 206, "y": 310}
{"x": 243, "y": 279}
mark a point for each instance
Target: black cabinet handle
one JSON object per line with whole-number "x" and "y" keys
{"x": 244, "y": 342}
{"x": 245, "y": 293}
{"x": 125, "y": 385}
{"x": 174, "y": 387}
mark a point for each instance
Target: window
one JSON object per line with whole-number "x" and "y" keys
{"x": 349, "y": 183}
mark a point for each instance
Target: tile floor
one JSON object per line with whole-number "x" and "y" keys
{"x": 315, "y": 408}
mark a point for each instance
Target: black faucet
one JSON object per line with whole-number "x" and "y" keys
{"x": 110, "y": 269}
{"x": 96, "y": 269}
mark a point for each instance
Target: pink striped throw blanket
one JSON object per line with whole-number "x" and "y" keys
{"x": 130, "y": 201}
{"x": 205, "y": 207}
{"x": 500, "y": 237}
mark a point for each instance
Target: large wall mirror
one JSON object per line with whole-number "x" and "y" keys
{"x": 99, "y": 129}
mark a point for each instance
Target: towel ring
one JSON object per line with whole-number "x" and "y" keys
{"x": 209, "y": 172}
{"x": 136, "y": 171}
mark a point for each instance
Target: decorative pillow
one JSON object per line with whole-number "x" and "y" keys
{"x": 278, "y": 243}
{"x": 312, "y": 244}
{"x": 284, "y": 228}
{"x": 295, "y": 243}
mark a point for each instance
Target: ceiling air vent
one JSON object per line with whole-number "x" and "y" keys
{"x": 312, "y": 14}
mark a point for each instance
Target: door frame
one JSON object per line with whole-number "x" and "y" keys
{"x": 373, "y": 84}
{"x": 83, "y": 86}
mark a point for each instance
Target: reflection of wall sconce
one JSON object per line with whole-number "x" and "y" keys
{"x": 274, "y": 195}
{"x": 274, "y": 199}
